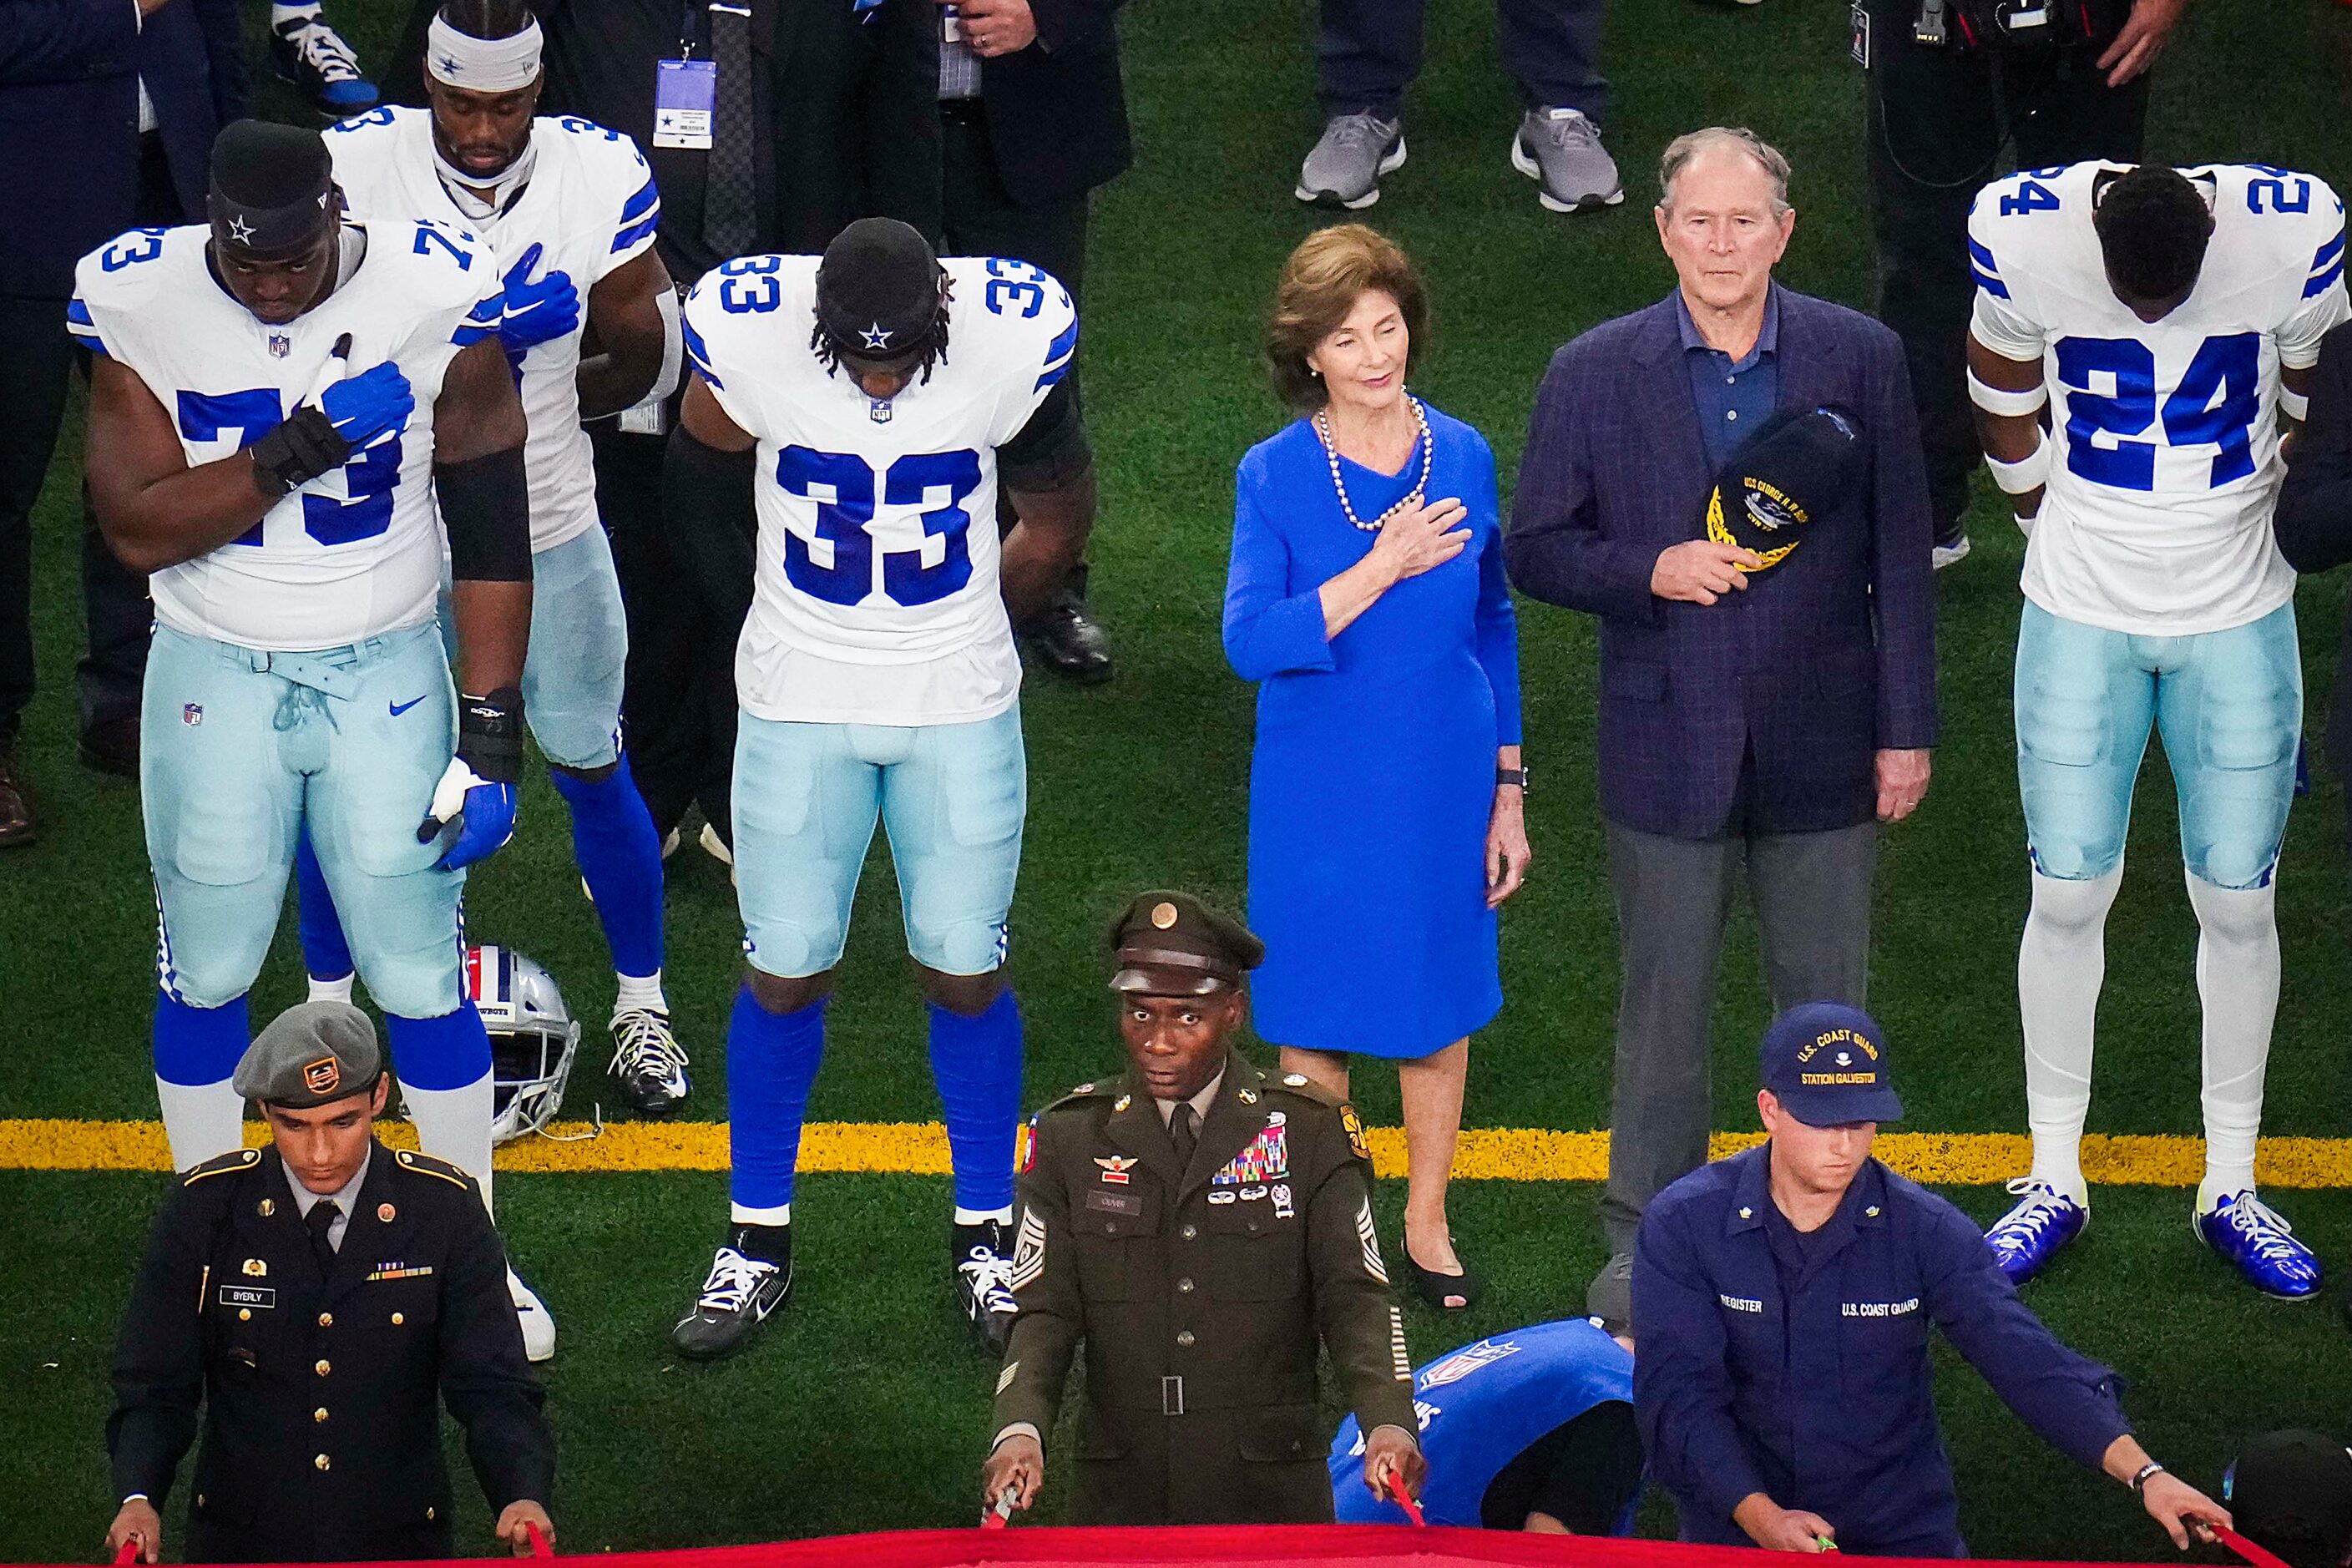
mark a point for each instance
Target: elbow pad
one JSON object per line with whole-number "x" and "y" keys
{"x": 485, "y": 512}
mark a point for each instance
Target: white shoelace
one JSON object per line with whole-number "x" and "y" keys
{"x": 2264, "y": 1228}
{"x": 322, "y": 48}
{"x": 733, "y": 1278}
{"x": 2037, "y": 1213}
{"x": 990, "y": 1274}
{"x": 1568, "y": 131}
{"x": 642, "y": 1038}
{"x": 1358, "y": 131}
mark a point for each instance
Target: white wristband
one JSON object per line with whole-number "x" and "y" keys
{"x": 2029, "y": 473}
{"x": 2024, "y": 524}
{"x": 2003, "y": 404}
{"x": 2295, "y": 406}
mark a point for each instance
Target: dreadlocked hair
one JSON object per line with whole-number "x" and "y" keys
{"x": 934, "y": 342}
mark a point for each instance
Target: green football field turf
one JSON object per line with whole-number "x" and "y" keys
{"x": 863, "y": 1408}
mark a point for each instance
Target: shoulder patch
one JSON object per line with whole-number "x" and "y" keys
{"x": 1084, "y": 1092}
{"x": 427, "y": 1165}
{"x": 220, "y": 1164}
{"x": 1299, "y": 1086}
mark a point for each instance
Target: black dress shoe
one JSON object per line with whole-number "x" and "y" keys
{"x": 111, "y": 746}
{"x": 17, "y": 824}
{"x": 1072, "y": 643}
{"x": 1447, "y": 1293}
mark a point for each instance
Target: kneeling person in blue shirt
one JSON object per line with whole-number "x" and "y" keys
{"x": 1781, "y": 1300}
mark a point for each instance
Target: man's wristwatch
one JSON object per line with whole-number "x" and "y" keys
{"x": 1512, "y": 776}
{"x": 2140, "y": 1476}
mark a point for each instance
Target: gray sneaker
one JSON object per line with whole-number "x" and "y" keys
{"x": 1560, "y": 149}
{"x": 1348, "y": 163}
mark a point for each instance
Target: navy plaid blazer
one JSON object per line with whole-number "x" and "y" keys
{"x": 1824, "y": 660}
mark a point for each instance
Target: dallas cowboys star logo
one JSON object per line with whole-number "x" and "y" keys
{"x": 876, "y": 336}
{"x": 447, "y": 68}
{"x": 239, "y": 230}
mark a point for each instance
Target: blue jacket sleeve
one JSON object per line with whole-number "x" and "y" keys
{"x": 1498, "y": 623}
{"x": 66, "y": 40}
{"x": 2069, "y": 1399}
{"x": 225, "y": 52}
{"x": 1902, "y": 544}
{"x": 2314, "y": 521}
{"x": 1681, "y": 1384}
{"x": 1268, "y": 628}
{"x": 1554, "y": 549}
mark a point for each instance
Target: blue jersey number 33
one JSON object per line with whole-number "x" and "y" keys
{"x": 843, "y": 485}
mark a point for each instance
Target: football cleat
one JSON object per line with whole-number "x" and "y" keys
{"x": 2261, "y": 1245}
{"x": 983, "y": 1272}
{"x": 647, "y": 1061}
{"x": 737, "y": 1297}
{"x": 538, "y": 1324}
{"x": 313, "y": 57}
{"x": 2028, "y": 1237}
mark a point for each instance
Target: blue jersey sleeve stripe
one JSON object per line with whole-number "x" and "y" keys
{"x": 2320, "y": 282}
{"x": 1982, "y": 259}
{"x": 1991, "y": 284}
{"x": 1053, "y": 374}
{"x": 468, "y": 335}
{"x": 699, "y": 354}
{"x": 639, "y": 206}
{"x": 1064, "y": 343}
{"x": 77, "y": 313}
{"x": 90, "y": 341}
{"x": 637, "y": 231}
{"x": 2328, "y": 252}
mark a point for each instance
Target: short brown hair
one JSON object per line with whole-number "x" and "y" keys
{"x": 1330, "y": 270}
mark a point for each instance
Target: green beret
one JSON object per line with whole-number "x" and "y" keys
{"x": 310, "y": 1056}
{"x": 1173, "y": 944}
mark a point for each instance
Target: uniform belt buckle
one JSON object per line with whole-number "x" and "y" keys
{"x": 1171, "y": 1396}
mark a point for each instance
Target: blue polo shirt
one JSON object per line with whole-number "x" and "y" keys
{"x": 1799, "y": 1367}
{"x": 1733, "y": 396}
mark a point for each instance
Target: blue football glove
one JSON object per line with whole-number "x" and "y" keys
{"x": 535, "y": 312}
{"x": 482, "y": 786}
{"x": 365, "y": 405}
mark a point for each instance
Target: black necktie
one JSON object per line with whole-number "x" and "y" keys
{"x": 1187, "y": 1136}
{"x": 321, "y": 1217}
{"x": 729, "y": 189}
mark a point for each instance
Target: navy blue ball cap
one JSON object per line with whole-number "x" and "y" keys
{"x": 1826, "y": 1064}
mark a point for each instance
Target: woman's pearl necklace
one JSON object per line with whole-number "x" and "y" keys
{"x": 1411, "y": 498}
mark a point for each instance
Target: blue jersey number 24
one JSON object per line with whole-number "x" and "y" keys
{"x": 842, "y": 486}
{"x": 2214, "y": 405}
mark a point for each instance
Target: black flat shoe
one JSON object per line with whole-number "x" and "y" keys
{"x": 1447, "y": 1293}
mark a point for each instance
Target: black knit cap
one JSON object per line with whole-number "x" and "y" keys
{"x": 877, "y": 290}
{"x": 271, "y": 189}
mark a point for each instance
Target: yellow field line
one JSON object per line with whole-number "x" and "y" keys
{"x": 1498, "y": 1153}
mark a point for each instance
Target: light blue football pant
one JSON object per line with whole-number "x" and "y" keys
{"x": 241, "y": 749}
{"x": 2229, "y": 705}
{"x": 578, "y": 657}
{"x": 952, "y": 799}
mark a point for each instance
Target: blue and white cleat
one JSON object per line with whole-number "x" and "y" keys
{"x": 2261, "y": 1245}
{"x": 2028, "y": 1237}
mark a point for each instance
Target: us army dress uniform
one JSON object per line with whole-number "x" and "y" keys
{"x": 320, "y": 1437}
{"x": 1200, "y": 1295}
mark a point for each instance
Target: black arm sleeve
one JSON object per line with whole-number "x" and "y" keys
{"x": 707, "y": 505}
{"x": 1051, "y": 450}
{"x": 489, "y": 1388}
{"x": 159, "y": 1355}
{"x": 2314, "y": 521}
{"x": 486, "y": 508}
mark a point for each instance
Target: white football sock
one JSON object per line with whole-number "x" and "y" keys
{"x": 980, "y": 1217}
{"x": 453, "y": 1124}
{"x": 203, "y": 1120}
{"x": 331, "y": 989}
{"x": 279, "y": 10}
{"x": 639, "y": 991}
{"x": 2238, "y": 981}
{"x": 743, "y": 1214}
{"x": 2060, "y": 964}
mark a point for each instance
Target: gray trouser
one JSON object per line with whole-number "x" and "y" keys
{"x": 1812, "y": 904}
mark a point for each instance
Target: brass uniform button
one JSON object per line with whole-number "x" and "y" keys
{"x": 1190, "y": 1231}
{"x": 428, "y": 1515}
{"x": 320, "y": 1413}
{"x": 1184, "y": 1286}
{"x": 397, "y": 1319}
{"x": 1185, "y": 1339}
{"x": 323, "y": 1462}
{"x": 245, "y": 1314}
{"x": 326, "y": 1320}
{"x": 324, "y": 1367}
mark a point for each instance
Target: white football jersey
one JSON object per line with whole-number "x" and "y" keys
{"x": 357, "y": 551}
{"x": 874, "y": 600}
{"x": 2165, "y": 461}
{"x": 589, "y": 203}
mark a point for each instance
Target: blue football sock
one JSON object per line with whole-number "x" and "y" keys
{"x": 976, "y": 1063}
{"x": 772, "y": 1062}
{"x": 197, "y": 1053}
{"x": 619, "y": 854}
{"x": 326, "y": 953}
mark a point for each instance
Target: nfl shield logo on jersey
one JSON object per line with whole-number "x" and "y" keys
{"x": 280, "y": 345}
{"x": 192, "y": 713}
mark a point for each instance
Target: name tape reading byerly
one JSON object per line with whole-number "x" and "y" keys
{"x": 1494, "y": 1153}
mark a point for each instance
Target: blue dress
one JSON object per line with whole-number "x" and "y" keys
{"x": 1373, "y": 776}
